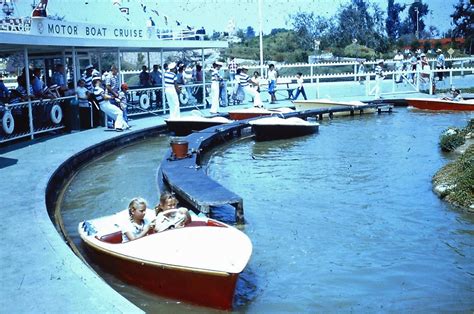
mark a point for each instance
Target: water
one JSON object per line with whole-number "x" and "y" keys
{"x": 343, "y": 220}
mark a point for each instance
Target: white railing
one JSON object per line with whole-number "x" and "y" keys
{"x": 30, "y": 118}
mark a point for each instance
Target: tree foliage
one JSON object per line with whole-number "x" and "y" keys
{"x": 309, "y": 28}
{"x": 463, "y": 19}
{"x": 392, "y": 23}
{"x": 249, "y": 32}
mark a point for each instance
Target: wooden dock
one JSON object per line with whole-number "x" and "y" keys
{"x": 189, "y": 181}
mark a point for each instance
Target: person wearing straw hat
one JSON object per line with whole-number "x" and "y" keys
{"x": 378, "y": 79}
{"x": 244, "y": 82}
{"x": 110, "y": 110}
{"x": 440, "y": 63}
{"x": 171, "y": 87}
{"x": 215, "y": 86}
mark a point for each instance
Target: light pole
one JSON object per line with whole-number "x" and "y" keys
{"x": 260, "y": 20}
{"x": 417, "y": 32}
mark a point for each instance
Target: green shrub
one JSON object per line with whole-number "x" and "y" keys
{"x": 451, "y": 139}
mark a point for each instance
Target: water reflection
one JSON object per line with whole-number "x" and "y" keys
{"x": 344, "y": 220}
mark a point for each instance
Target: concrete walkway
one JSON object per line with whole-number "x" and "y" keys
{"x": 39, "y": 272}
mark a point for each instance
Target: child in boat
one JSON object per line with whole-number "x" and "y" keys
{"x": 137, "y": 226}
{"x": 168, "y": 215}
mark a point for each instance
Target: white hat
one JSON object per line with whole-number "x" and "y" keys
{"x": 380, "y": 61}
{"x": 95, "y": 78}
{"x": 218, "y": 63}
{"x": 90, "y": 66}
{"x": 422, "y": 55}
{"x": 172, "y": 65}
{"x": 244, "y": 67}
{"x": 439, "y": 50}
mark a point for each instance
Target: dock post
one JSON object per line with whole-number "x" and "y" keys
{"x": 239, "y": 212}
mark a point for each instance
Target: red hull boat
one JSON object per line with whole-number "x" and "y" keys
{"x": 199, "y": 263}
{"x": 441, "y": 104}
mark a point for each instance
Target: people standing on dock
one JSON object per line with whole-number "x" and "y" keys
{"x": 232, "y": 67}
{"x": 145, "y": 78}
{"x": 413, "y": 63}
{"x": 300, "y": 87}
{"x": 84, "y": 109}
{"x": 361, "y": 72}
{"x": 215, "y": 86}
{"x": 398, "y": 66}
{"x": 198, "y": 90}
{"x": 272, "y": 76}
{"x": 157, "y": 81}
{"x": 379, "y": 76}
{"x": 137, "y": 226}
{"x": 171, "y": 88}
{"x": 59, "y": 79}
{"x": 244, "y": 83}
{"x": 87, "y": 77}
{"x": 440, "y": 63}
{"x": 110, "y": 110}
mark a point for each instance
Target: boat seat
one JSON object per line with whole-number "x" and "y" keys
{"x": 115, "y": 237}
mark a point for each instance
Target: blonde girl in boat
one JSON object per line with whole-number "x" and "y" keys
{"x": 137, "y": 226}
{"x": 168, "y": 215}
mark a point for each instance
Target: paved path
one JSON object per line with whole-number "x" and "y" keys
{"x": 39, "y": 272}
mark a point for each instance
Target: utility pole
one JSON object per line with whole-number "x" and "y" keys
{"x": 260, "y": 20}
{"x": 417, "y": 34}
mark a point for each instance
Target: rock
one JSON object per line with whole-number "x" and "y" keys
{"x": 443, "y": 189}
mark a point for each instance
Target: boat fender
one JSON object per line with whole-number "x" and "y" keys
{"x": 56, "y": 114}
{"x": 183, "y": 97}
{"x": 8, "y": 123}
{"x": 144, "y": 101}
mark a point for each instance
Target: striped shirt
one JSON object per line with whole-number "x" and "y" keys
{"x": 243, "y": 79}
{"x": 215, "y": 75}
{"x": 113, "y": 81}
{"x": 233, "y": 66}
{"x": 170, "y": 78}
{"x": 99, "y": 94}
{"x": 88, "y": 80}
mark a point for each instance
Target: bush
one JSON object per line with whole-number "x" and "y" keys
{"x": 451, "y": 139}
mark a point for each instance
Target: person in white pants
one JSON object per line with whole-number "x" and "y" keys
{"x": 170, "y": 90}
{"x": 110, "y": 110}
{"x": 244, "y": 82}
{"x": 215, "y": 88}
{"x": 378, "y": 79}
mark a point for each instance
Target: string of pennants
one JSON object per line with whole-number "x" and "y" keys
{"x": 150, "y": 23}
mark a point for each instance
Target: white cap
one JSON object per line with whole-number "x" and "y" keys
{"x": 172, "y": 65}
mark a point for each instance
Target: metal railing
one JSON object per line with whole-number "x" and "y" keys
{"x": 30, "y": 118}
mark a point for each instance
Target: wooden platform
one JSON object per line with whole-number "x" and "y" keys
{"x": 186, "y": 178}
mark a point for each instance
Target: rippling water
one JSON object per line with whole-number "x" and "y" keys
{"x": 344, "y": 220}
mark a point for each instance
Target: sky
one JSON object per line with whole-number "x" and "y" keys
{"x": 216, "y": 14}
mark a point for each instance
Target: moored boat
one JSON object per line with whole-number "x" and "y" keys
{"x": 199, "y": 263}
{"x": 440, "y": 104}
{"x": 248, "y": 113}
{"x": 272, "y": 128}
{"x": 186, "y": 125}
{"x": 355, "y": 106}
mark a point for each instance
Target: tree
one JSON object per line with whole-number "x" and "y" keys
{"x": 310, "y": 27}
{"x": 392, "y": 23}
{"x": 249, "y": 33}
{"x": 356, "y": 22}
{"x": 414, "y": 23}
{"x": 463, "y": 19}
